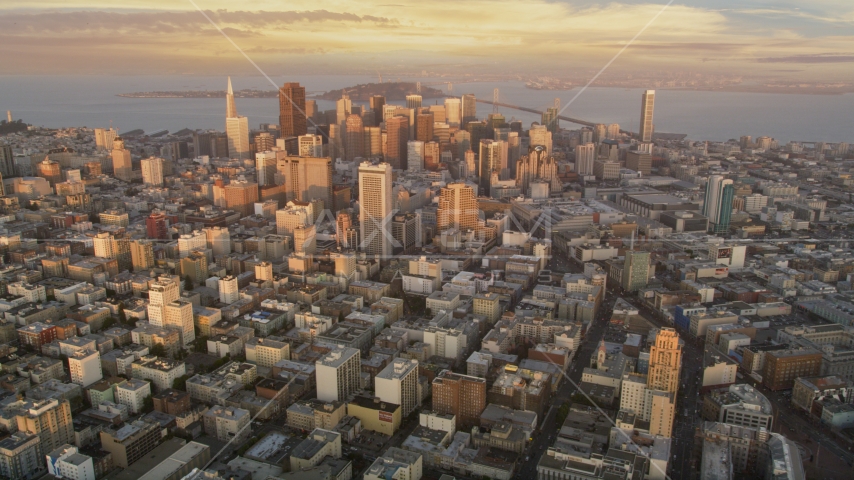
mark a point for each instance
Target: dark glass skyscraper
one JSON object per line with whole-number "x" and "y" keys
{"x": 292, "y": 119}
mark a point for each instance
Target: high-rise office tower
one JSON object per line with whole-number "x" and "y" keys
{"x": 646, "y": 125}
{"x": 438, "y": 112}
{"x": 307, "y": 178}
{"x": 432, "y": 156}
{"x": 264, "y": 142}
{"x": 413, "y": 101}
{"x": 469, "y": 108}
{"x": 424, "y": 127}
{"x": 310, "y": 109}
{"x": 635, "y": 271}
{"x": 7, "y": 161}
{"x": 163, "y": 292}
{"x": 375, "y": 208}
{"x": 305, "y": 239}
{"x": 152, "y": 171}
{"x": 397, "y": 128}
{"x": 717, "y": 205}
{"x": 104, "y": 138}
{"x": 236, "y": 128}
{"x": 353, "y": 137}
{"x": 540, "y": 135}
{"x": 343, "y": 107}
{"x": 241, "y": 196}
{"x": 453, "y": 112}
{"x": 585, "y": 155}
{"x": 338, "y": 374}
{"x": 665, "y": 361}
{"x": 457, "y": 207}
{"x": 537, "y": 165}
{"x": 377, "y": 102}
{"x": 490, "y": 159}
{"x": 344, "y": 223}
{"x": 612, "y": 130}
{"x": 373, "y": 142}
{"x": 389, "y": 111}
{"x": 310, "y": 146}
{"x": 265, "y": 168}
{"x": 122, "y": 166}
{"x": 600, "y": 133}
{"x": 292, "y": 110}
{"x": 550, "y": 120}
{"x": 415, "y": 155}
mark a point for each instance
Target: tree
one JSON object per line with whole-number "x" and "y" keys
{"x": 147, "y": 404}
{"x": 188, "y": 283}
{"x": 180, "y": 383}
{"x": 122, "y": 316}
{"x": 158, "y": 350}
{"x": 109, "y": 322}
{"x": 200, "y": 344}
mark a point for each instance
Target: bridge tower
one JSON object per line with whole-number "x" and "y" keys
{"x": 557, "y": 103}
{"x": 418, "y": 88}
{"x": 450, "y": 87}
{"x": 495, "y": 101}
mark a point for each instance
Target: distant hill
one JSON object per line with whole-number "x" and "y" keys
{"x": 391, "y": 91}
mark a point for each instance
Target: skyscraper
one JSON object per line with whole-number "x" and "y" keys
{"x": 415, "y": 155}
{"x": 453, "y": 112}
{"x": 236, "y": 128}
{"x": 469, "y": 108}
{"x": 343, "y": 107}
{"x": 292, "y": 114}
{"x": 646, "y": 125}
{"x": 353, "y": 137}
{"x": 307, "y": 178}
{"x": 156, "y": 225}
{"x": 550, "y": 120}
{"x": 424, "y": 127}
{"x": 540, "y": 135}
{"x": 585, "y": 155}
{"x": 265, "y": 168}
{"x": 122, "y": 166}
{"x": 7, "y": 161}
{"x": 457, "y": 207}
{"x": 104, "y": 138}
{"x": 490, "y": 161}
{"x": 537, "y": 165}
{"x": 398, "y": 383}
{"x": 240, "y": 196}
{"x": 142, "y": 254}
{"x": 717, "y": 205}
{"x": 152, "y": 171}
{"x": 665, "y": 361}
{"x": 377, "y": 102}
{"x": 635, "y": 271}
{"x": 432, "y": 156}
{"x": 413, "y": 101}
{"x": 375, "y": 208}
{"x": 397, "y": 128}
{"x": 310, "y": 146}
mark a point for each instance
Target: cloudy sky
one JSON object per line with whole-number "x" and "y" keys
{"x": 781, "y": 38}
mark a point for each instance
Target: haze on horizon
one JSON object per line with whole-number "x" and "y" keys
{"x": 784, "y": 39}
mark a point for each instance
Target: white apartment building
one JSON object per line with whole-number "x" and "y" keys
{"x": 85, "y": 367}
{"x": 338, "y": 374}
{"x": 132, "y": 393}
{"x": 398, "y": 383}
